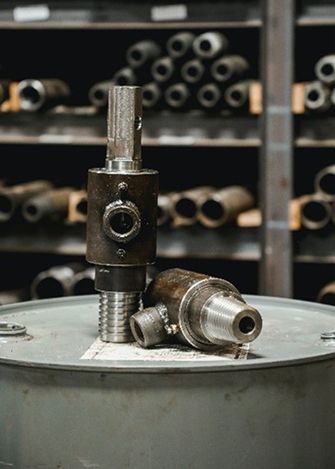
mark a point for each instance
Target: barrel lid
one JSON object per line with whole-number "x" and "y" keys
{"x": 61, "y": 334}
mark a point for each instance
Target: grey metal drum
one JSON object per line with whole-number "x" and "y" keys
{"x": 68, "y": 401}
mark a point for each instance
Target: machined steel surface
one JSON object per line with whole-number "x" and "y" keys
{"x": 52, "y": 205}
{"x": 38, "y": 94}
{"x": 224, "y": 205}
{"x": 12, "y": 197}
{"x": 198, "y": 310}
{"x": 139, "y": 412}
{"x": 121, "y": 222}
{"x": 325, "y": 69}
{"x": 315, "y": 210}
{"x": 325, "y": 181}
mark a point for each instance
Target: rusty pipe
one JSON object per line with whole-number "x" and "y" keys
{"x": 184, "y": 205}
{"x": 210, "y": 44}
{"x": 315, "y": 211}
{"x": 12, "y": 197}
{"x": 77, "y": 207}
{"x": 55, "y": 282}
{"x": 223, "y": 206}
{"x": 52, "y": 205}
{"x": 195, "y": 309}
{"x": 327, "y": 294}
{"x": 229, "y": 67}
{"x": 325, "y": 181}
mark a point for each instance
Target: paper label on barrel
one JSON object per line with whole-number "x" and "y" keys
{"x": 133, "y": 352}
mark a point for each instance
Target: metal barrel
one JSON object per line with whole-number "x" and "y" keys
{"x": 223, "y": 206}
{"x": 210, "y": 44}
{"x": 98, "y": 93}
{"x": 315, "y": 211}
{"x": 38, "y": 94}
{"x": 164, "y": 209}
{"x": 151, "y": 95}
{"x": 55, "y": 282}
{"x": 317, "y": 96}
{"x": 77, "y": 207}
{"x": 13, "y": 296}
{"x": 229, "y": 67}
{"x": 325, "y": 181}
{"x": 325, "y": 69}
{"x": 184, "y": 207}
{"x": 237, "y": 95}
{"x": 209, "y": 95}
{"x": 177, "y": 95}
{"x": 83, "y": 282}
{"x": 193, "y": 71}
{"x": 142, "y": 53}
{"x": 327, "y": 294}
{"x": 180, "y": 44}
{"x": 70, "y": 401}
{"x": 125, "y": 77}
{"x": 4, "y": 90}
{"x": 51, "y": 204}
{"x": 12, "y": 197}
{"x": 163, "y": 69}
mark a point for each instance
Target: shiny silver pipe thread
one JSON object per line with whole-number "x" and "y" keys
{"x": 210, "y": 44}
{"x": 325, "y": 69}
{"x": 162, "y": 69}
{"x": 237, "y": 95}
{"x": 98, "y": 93}
{"x": 193, "y": 71}
{"x": 180, "y": 44}
{"x": 229, "y": 67}
{"x": 152, "y": 94}
{"x": 142, "y": 53}
{"x": 327, "y": 294}
{"x": 37, "y": 94}
{"x": 317, "y": 96}
{"x": 223, "y": 206}
{"x": 315, "y": 211}
{"x": 325, "y": 181}
{"x": 115, "y": 309}
{"x": 177, "y": 95}
{"x": 201, "y": 311}
{"x": 209, "y": 95}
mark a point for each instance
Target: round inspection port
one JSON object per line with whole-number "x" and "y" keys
{"x": 247, "y": 325}
{"x": 122, "y": 221}
{"x": 11, "y": 328}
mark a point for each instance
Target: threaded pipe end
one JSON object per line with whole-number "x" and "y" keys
{"x": 227, "y": 319}
{"x": 115, "y": 309}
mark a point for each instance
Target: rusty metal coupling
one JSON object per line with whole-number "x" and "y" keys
{"x": 196, "y": 309}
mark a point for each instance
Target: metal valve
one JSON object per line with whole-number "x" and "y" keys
{"x": 121, "y": 220}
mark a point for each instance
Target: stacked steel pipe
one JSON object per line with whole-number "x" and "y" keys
{"x": 319, "y": 94}
{"x": 191, "y": 71}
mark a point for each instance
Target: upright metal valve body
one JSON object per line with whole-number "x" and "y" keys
{"x": 122, "y": 212}
{"x": 201, "y": 311}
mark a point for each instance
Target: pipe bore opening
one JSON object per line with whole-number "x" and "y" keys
{"x": 175, "y": 95}
{"x": 148, "y": 95}
{"x": 6, "y": 205}
{"x": 222, "y": 70}
{"x": 136, "y": 55}
{"x": 213, "y": 210}
{"x": 49, "y": 287}
{"x": 313, "y": 96}
{"x": 99, "y": 95}
{"x": 315, "y": 211}
{"x": 82, "y": 207}
{"x": 193, "y": 71}
{"x": 236, "y": 96}
{"x": 327, "y": 69}
{"x": 121, "y": 223}
{"x": 186, "y": 208}
{"x": 205, "y": 45}
{"x": 29, "y": 93}
{"x": 84, "y": 286}
{"x": 161, "y": 70}
{"x": 246, "y": 325}
{"x": 328, "y": 298}
{"x": 138, "y": 332}
{"x": 122, "y": 80}
{"x": 209, "y": 96}
{"x": 177, "y": 45}
{"x": 327, "y": 183}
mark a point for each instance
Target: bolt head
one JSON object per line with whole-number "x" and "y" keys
{"x": 121, "y": 253}
{"x": 122, "y": 187}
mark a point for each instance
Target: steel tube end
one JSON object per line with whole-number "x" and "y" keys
{"x": 147, "y": 327}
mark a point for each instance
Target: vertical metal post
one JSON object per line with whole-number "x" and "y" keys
{"x": 277, "y": 146}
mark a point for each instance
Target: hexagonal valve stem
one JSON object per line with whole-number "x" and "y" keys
{"x": 121, "y": 220}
